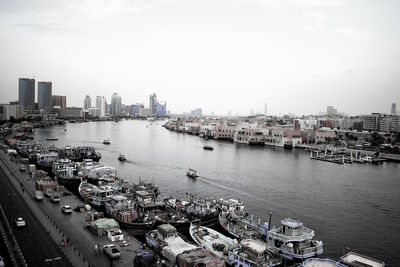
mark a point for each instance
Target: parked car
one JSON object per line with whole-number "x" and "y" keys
{"x": 22, "y": 168}
{"x": 55, "y": 197}
{"x": 20, "y": 222}
{"x": 38, "y": 195}
{"x": 112, "y": 251}
{"x": 66, "y": 209}
{"x": 49, "y": 192}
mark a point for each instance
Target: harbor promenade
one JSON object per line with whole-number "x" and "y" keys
{"x": 67, "y": 231}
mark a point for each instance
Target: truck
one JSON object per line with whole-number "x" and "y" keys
{"x": 38, "y": 195}
{"x": 112, "y": 251}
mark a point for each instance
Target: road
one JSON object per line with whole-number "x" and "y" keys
{"x": 36, "y": 244}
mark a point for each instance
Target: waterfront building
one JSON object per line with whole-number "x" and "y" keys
{"x": 393, "y": 109}
{"x": 395, "y": 126}
{"x": 45, "y": 100}
{"x": 59, "y": 101}
{"x": 161, "y": 109}
{"x": 26, "y": 93}
{"x": 153, "y": 103}
{"x": 196, "y": 112}
{"x": 116, "y": 105}
{"x": 225, "y": 132}
{"x": 73, "y": 112}
{"x": 87, "y": 102}
{"x": 371, "y": 122}
{"x": 127, "y": 110}
{"x": 385, "y": 123}
{"x": 135, "y": 109}
{"x": 59, "y": 111}
{"x": 101, "y": 105}
{"x": 145, "y": 112}
{"x": 7, "y": 111}
{"x": 94, "y": 112}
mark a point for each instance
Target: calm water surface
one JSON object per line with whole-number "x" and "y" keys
{"x": 355, "y": 206}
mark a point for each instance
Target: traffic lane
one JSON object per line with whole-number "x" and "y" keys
{"x": 35, "y": 243}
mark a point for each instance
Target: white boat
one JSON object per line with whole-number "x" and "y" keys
{"x": 253, "y": 253}
{"x": 367, "y": 158}
{"x": 211, "y": 240}
{"x": 294, "y": 240}
{"x": 107, "y": 142}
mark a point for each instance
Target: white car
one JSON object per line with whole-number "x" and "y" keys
{"x": 19, "y": 222}
{"x": 66, "y": 209}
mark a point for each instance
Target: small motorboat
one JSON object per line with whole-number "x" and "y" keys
{"x": 107, "y": 142}
{"x": 51, "y": 139}
{"x": 121, "y": 157}
{"x": 208, "y": 147}
{"x": 191, "y": 173}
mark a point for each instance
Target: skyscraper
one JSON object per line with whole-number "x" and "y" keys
{"x": 26, "y": 97}
{"x": 87, "y": 103}
{"x": 153, "y": 103}
{"x": 393, "y": 111}
{"x": 45, "y": 96}
{"x": 265, "y": 108}
{"x": 101, "y": 105}
{"x": 115, "y": 105}
{"x": 161, "y": 109}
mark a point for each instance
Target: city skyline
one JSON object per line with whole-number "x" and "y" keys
{"x": 300, "y": 55}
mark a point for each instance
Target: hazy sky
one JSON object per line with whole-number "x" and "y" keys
{"x": 221, "y": 55}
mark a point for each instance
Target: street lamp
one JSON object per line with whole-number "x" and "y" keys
{"x": 52, "y": 260}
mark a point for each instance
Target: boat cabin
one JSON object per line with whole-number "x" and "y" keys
{"x": 229, "y": 205}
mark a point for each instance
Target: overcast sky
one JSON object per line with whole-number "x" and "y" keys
{"x": 220, "y": 55}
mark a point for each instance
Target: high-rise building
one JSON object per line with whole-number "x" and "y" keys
{"x": 101, "y": 105}
{"x": 135, "y": 109}
{"x": 161, "y": 109}
{"x": 45, "y": 96}
{"x": 115, "y": 105}
{"x": 153, "y": 103}
{"x": 87, "y": 103}
{"x": 393, "y": 110}
{"x": 196, "y": 112}
{"x": 26, "y": 90}
{"x": 330, "y": 110}
{"x": 265, "y": 108}
{"x": 59, "y": 101}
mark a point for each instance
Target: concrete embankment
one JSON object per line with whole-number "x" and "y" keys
{"x": 68, "y": 231}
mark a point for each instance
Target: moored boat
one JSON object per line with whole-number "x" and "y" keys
{"x": 207, "y": 147}
{"x": 294, "y": 240}
{"x": 215, "y": 242}
{"x": 253, "y": 253}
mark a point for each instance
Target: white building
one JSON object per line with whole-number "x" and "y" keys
{"x": 101, "y": 105}
{"x": 94, "y": 112}
{"x": 7, "y": 111}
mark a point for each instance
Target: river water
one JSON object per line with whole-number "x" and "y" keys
{"x": 349, "y": 206}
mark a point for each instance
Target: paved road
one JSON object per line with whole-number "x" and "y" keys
{"x": 35, "y": 243}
